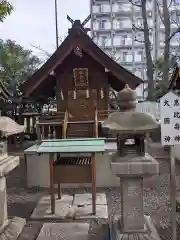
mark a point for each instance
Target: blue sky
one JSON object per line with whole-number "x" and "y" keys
{"x": 33, "y": 22}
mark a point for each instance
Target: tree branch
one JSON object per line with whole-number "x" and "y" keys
{"x": 173, "y": 15}
{"x": 175, "y": 22}
{"x": 174, "y": 33}
{"x": 137, "y": 28}
{"x": 135, "y": 4}
{"x": 170, "y": 3}
{"x": 137, "y": 40}
{"x": 159, "y": 11}
{"x": 40, "y": 49}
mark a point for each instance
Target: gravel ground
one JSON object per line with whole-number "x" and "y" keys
{"x": 21, "y": 201}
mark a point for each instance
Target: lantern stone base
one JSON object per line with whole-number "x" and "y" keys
{"x": 149, "y": 233}
{"x": 132, "y": 224}
{"x": 12, "y": 229}
{"x": 9, "y": 229}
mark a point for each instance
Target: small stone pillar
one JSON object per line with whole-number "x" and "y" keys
{"x": 9, "y": 229}
{"x": 132, "y": 164}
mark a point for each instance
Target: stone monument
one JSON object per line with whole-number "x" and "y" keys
{"x": 131, "y": 163}
{"x": 9, "y": 229}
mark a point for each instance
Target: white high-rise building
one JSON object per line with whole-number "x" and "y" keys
{"x": 112, "y": 28}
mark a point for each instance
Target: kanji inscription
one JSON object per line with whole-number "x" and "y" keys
{"x": 170, "y": 119}
{"x": 80, "y": 77}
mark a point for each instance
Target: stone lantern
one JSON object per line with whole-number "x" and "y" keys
{"x": 131, "y": 163}
{"x": 9, "y": 229}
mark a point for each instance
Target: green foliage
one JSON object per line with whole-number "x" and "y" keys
{"x": 16, "y": 64}
{"x": 159, "y": 64}
{"x": 5, "y": 9}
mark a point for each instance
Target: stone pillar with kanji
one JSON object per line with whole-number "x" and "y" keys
{"x": 131, "y": 164}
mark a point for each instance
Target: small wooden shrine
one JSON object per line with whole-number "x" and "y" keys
{"x": 78, "y": 76}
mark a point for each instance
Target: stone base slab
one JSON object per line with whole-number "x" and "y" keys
{"x": 150, "y": 232}
{"x": 13, "y": 229}
{"x": 69, "y": 207}
{"x": 63, "y": 231}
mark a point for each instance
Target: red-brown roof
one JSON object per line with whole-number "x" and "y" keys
{"x": 79, "y": 37}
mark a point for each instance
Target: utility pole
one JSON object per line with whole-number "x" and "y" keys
{"x": 155, "y": 40}
{"x": 56, "y": 23}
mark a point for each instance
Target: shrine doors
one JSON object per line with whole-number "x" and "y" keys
{"x": 82, "y": 104}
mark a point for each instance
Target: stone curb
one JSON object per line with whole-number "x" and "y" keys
{"x": 13, "y": 229}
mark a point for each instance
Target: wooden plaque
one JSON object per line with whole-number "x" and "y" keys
{"x": 80, "y": 77}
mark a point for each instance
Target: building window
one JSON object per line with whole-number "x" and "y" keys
{"x": 126, "y": 23}
{"x": 138, "y": 73}
{"x": 115, "y": 7}
{"x": 96, "y": 8}
{"x": 122, "y": 23}
{"x": 129, "y": 57}
{"x": 116, "y": 40}
{"x": 105, "y": 8}
{"x": 104, "y": 41}
{"x": 125, "y": 7}
{"x": 124, "y": 56}
{"x": 96, "y": 25}
{"x": 128, "y": 40}
{"x": 123, "y": 40}
{"x": 117, "y": 24}
{"x": 105, "y": 24}
{"x": 138, "y": 56}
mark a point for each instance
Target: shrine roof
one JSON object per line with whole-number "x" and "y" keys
{"x": 78, "y": 37}
{"x": 4, "y": 93}
{"x": 174, "y": 82}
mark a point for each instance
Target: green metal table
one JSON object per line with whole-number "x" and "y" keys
{"x": 76, "y": 146}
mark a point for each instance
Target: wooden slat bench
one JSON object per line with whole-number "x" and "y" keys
{"x": 73, "y": 170}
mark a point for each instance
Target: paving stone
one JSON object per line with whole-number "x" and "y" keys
{"x": 86, "y": 212}
{"x": 62, "y": 207}
{"x": 65, "y": 209}
{"x": 64, "y": 231}
{"x": 86, "y": 199}
{"x": 31, "y": 230}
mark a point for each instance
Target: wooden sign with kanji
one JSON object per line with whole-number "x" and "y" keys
{"x": 170, "y": 119}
